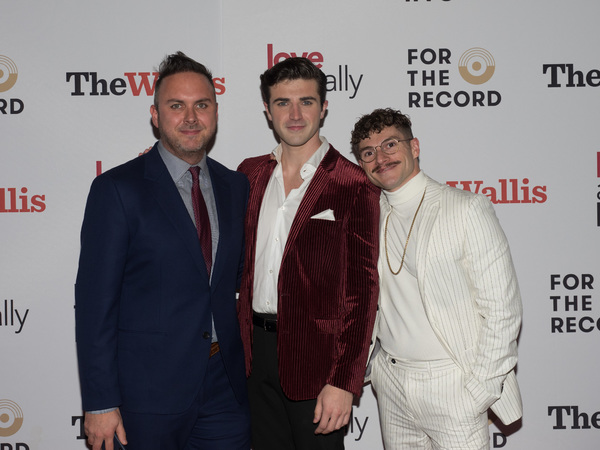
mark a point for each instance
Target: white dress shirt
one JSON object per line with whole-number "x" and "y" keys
{"x": 277, "y": 213}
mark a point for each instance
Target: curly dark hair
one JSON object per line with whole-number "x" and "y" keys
{"x": 296, "y": 68}
{"x": 178, "y": 63}
{"x": 375, "y": 122}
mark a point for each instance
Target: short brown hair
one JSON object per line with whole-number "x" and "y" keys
{"x": 296, "y": 68}
{"x": 377, "y": 121}
{"x": 178, "y": 63}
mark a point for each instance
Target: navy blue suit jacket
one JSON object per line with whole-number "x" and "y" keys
{"x": 143, "y": 298}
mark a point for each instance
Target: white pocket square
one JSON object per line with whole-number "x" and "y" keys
{"x": 324, "y": 215}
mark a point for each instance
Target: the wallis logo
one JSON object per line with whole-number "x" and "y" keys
{"x": 13, "y": 200}
{"x": 508, "y": 190}
{"x": 138, "y": 83}
{"x": 11, "y": 418}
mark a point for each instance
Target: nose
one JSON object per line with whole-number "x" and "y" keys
{"x": 380, "y": 156}
{"x": 190, "y": 115}
{"x": 295, "y": 113}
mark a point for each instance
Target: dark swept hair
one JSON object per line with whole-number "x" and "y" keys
{"x": 375, "y": 122}
{"x": 178, "y": 63}
{"x": 297, "y": 68}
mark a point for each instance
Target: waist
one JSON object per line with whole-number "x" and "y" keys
{"x": 267, "y": 322}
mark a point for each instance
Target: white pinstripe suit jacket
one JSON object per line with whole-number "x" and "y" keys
{"x": 470, "y": 293}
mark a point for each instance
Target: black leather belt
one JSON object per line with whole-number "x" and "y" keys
{"x": 266, "y": 324}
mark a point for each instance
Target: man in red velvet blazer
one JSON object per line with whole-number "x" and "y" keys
{"x": 310, "y": 285}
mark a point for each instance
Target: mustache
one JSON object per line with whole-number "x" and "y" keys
{"x": 387, "y": 165}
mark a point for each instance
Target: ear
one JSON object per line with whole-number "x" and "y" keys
{"x": 415, "y": 148}
{"x": 267, "y": 111}
{"x": 154, "y": 114}
{"x": 324, "y": 108}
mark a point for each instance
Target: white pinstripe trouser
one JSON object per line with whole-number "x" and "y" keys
{"x": 424, "y": 405}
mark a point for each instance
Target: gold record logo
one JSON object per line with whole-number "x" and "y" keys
{"x": 11, "y": 417}
{"x": 476, "y": 65}
{"x": 8, "y": 73}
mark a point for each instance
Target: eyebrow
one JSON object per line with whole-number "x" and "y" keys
{"x": 200, "y": 100}
{"x": 373, "y": 146}
{"x": 287, "y": 99}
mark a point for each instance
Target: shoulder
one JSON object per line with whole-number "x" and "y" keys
{"x": 255, "y": 161}
{"x": 130, "y": 172}
{"x": 249, "y": 165}
{"x": 455, "y": 199}
{"x": 347, "y": 171}
{"x": 223, "y": 171}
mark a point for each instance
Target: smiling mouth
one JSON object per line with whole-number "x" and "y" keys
{"x": 190, "y": 131}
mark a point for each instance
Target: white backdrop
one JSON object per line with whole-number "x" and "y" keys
{"x": 527, "y": 136}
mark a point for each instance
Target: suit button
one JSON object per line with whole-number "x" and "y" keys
{"x": 206, "y": 335}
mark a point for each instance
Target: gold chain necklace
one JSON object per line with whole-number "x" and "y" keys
{"x": 387, "y": 256}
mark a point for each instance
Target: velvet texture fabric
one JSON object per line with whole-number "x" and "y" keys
{"x": 328, "y": 282}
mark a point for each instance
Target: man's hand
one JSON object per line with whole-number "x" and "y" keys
{"x": 145, "y": 151}
{"x": 101, "y": 428}
{"x": 334, "y": 406}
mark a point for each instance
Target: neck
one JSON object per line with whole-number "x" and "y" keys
{"x": 293, "y": 158}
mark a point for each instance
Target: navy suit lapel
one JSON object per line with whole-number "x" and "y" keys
{"x": 222, "y": 193}
{"x": 162, "y": 187}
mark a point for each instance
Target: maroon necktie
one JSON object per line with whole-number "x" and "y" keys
{"x": 201, "y": 217}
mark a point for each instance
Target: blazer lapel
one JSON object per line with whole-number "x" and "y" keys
{"x": 259, "y": 179}
{"x": 161, "y": 185}
{"x": 315, "y": 188}
{"x": 222, "y": 193}
{"x": 431, "y": 208}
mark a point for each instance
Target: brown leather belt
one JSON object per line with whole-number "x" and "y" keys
{"x": 214, "y": 349}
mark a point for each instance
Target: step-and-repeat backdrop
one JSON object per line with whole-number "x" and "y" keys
{"x": 504, "y": 96}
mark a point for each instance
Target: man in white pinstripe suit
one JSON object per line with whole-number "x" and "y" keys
{"x": 444, "y": 345}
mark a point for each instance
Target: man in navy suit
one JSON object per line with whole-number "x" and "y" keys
{"x": 160, "y": 356}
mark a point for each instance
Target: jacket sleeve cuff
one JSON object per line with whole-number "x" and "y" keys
{"x": 102, "y": 411}
{"x": 481, "y": 396}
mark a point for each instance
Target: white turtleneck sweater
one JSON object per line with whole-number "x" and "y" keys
{"x": 404, "y": 330}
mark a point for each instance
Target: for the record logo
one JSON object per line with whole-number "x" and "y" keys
{"x": 11, "y": 418}
{"x": 8, "y": 77}
{"x": 431, "y": 77}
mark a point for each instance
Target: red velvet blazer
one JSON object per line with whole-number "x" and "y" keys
{"x": 328, "y": 282}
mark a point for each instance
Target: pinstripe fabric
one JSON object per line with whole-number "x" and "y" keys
{"x": 328, "y": 282}
{"x": 470, "y": 293}
{"x": 426, "y": 406}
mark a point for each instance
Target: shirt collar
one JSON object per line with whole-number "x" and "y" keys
{"x": 414, "y": 187}
{"x": 178, "y": 167}
{"x": 313, "y": 162}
